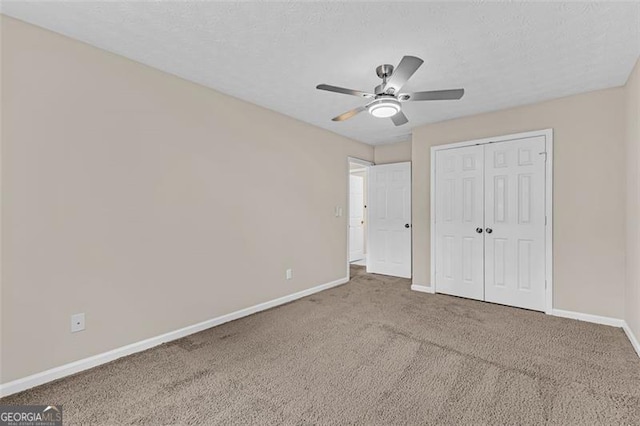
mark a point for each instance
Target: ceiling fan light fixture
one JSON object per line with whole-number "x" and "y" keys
{"x": 384, "y": 108}
{"x": 387, "y": 97}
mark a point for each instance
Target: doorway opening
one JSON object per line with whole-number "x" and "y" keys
{"x": 357, "y": 208}
{"x": 379, "y": 217}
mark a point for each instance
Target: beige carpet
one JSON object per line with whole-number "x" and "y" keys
{"x": 368, "y": 352}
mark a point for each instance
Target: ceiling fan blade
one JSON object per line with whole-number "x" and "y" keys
{"x": 347, "y": 115}
{"x": 434, "y": 95}
{"x": 399, "y": 119}
{"x": 403, "y": 72}
{"x": 344, "y": 91}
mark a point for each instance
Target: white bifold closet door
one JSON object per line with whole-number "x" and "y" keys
{"x": 515, "y": 223}
{"x": 389, "y": 227}
{"x": 459, "y": 222}
{"x": 490, "y": 222}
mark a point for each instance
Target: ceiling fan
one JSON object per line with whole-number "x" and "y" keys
{"x": 387, "y": 99}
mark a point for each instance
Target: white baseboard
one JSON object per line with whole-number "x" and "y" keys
{"x": 43, "y": 377}
{"x": 422, "y": 288}
{"x": 632, "y": 338}
{"x": 613, "y": 322}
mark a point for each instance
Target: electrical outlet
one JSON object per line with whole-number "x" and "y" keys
{"x": 77, "y": 322}
{"x": 289, "y": 274}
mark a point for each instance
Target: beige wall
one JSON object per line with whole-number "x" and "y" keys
{"x": 148, "y": 202}
{"x": 392, "y": 153}
{"x": 632, "y": 294}
{"x": 589, "y": 194}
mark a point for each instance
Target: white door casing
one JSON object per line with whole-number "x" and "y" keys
{"x": 515, "y": 223}
{"x": 389, "y": 226}
{"x": 459, "y": 222}
{"x": 356, "y": 218}
{"x": 517, "y": 210}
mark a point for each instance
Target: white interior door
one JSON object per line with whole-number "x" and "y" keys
{"x": 356, "y": 218}
{"x": 515, "y": 223}
{"x": 389, "y": 227}
{"x": 459, "y": 221}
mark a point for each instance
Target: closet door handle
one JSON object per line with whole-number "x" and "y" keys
{"x": 479, "y": 230}
{"x": 489, "y": 230}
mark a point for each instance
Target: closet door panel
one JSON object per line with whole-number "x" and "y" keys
{"x": 459, "y": 205}
{"x": 515, "y": 223}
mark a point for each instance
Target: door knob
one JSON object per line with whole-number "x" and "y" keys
{"x": 479, "y": 230}
{"x": 406, "y": 225}
{"x": 489, "y": 230}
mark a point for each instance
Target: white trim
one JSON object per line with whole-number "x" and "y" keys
{"x": 548, "y": 211}
{"x": 432, "y": 218}
{"x": 597, "y": 319}
{"x": 360, "y": 170}
{"x": 43, "y": 377}
{"x": 548, "y": 135}
{"x": 366, "y": 164}
{"x": 503, "y": 138}
{"x": 422, "y": 288}
{"x": 632, "y": 338}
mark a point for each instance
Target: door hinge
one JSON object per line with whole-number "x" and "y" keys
{"x": 545, "y": 221}
{"x": 545, "y": 155}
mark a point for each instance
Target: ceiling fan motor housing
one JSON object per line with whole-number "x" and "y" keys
{"x": 384, "y": 71}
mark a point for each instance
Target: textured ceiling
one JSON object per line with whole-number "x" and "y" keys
{"x": 274, "y": 54}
